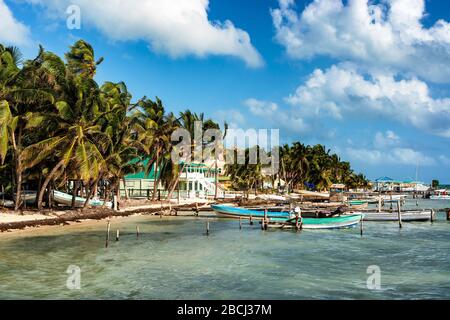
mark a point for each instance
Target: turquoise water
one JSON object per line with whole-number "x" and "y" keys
{"x": 173, "y": 259}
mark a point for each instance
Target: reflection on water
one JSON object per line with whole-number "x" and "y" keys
{"x": 173, "y": 259}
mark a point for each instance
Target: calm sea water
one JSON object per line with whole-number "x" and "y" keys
{"x": 173, "y": 259}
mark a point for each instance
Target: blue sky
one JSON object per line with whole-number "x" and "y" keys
{"x": 370, "y": 80}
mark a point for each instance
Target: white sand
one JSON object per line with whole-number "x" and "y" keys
{"x": 13, "y": 217}
{"x": 30, "y": 216}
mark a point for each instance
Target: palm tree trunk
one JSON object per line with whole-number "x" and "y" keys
{"x": 118, "y": 189}
{"x": 172, "y": 188}
{"x": 18, "y": 202}
{"x": 127, "y": 196}
{"x": 47, "y": 181}
{"x": 216, "y": 180}
{"x": 18, "y": 172}
{"x": 74, "y": 193}
{"x": 38, "y": 189}
{"x": 92, "y": 190}
{"x": 155, "y": 179}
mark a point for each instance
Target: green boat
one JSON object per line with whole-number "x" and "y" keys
{"x": 357, "y": 202}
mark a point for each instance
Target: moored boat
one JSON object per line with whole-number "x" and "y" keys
{"x": 66, "y": 199}
{"x": 345, "y": 221}
{"x": 236, "y": 212}
{"x": 407, "y": 216}
{"x": 440, "y": 195}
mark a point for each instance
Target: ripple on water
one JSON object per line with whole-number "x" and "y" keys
{"x": 173, "y": 259}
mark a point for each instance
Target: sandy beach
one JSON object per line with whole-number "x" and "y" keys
{"x": 11, "y": 221}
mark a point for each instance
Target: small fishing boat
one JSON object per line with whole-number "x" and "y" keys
{"x": 27, "y": 196}
{"x": 407, "y": 216}
{"x": 440, "y": 195}
{"x": 66, "y": 199}
{"x": 393, "y": 198}
{"x": 357, "y": 202}
{"x": 346, "y": 221}
{"x": 236, "y": 212}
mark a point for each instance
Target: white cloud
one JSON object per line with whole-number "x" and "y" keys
{"x": 389, "y": 34}
{"x": 342, "y": 90}
{"x": 275, "y": 116}
{"x": 232, "y": 117}
{"x": 175, "y": 27}
{"x": 397, "y": 156}
{"x": 12, "y": 32}
{"x": 261, "y": 108}
{"x": 444, "y": 160}
{"x": 387, "y": 139}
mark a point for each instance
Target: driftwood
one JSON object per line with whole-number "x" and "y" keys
{"x": 77, "y": 216}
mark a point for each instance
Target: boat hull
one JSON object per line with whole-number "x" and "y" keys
{"x": 411, "y": 216}
{"x": 240, "y": 213}
{"x": 66, "y": 199}
{"x": 318, "y": 223}
{"x": 441, "y": 197}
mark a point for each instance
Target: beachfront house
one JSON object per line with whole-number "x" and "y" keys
{"x": 386, "y": 184}
{"x": 198, "y": 180}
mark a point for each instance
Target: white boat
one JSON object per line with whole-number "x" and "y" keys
{"x": 272, "y": 197}
{"x": 442, "y": 194}
{"x": 27, "y": 196}
{"x": 66, "y": 199}
{"x": 407, "y": 216}
{"x": 393, "y": 197}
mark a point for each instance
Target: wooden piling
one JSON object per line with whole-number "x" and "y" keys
{"x": 448, "y": 215}
{"x": 108, "y": 228}
{"x": 432, "y": 215}
{"x": 240, "y": 223}
{"x": 196, "y": 209}
{"x": 297, "y": 225}
{"x": 265, "y": 222}
{"x": 361, "y": 226}
{"x": 137, "y": 231}
{"x": 251, "y": 220}
{"x": 379, "y": 204}
{"x": 399, "y": 212}
{"x": 117, "y": 235}
{"x": 207, "y": 227}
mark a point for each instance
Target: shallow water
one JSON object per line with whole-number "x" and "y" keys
{"x": 174, "y": 259}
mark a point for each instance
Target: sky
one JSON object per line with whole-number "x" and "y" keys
{"x": 370, "y": 80}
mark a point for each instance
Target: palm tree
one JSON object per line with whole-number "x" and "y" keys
{"x": 154, "y": 129}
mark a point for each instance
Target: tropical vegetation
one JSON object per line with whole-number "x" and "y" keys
{"x": 62, "y": 130}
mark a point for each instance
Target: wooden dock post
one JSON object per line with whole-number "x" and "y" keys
{"x": 196, "y": 209}
{"x": 117, "y": 235}
{"x": 361, "y": 226}
{"x": 264, "y": 224}
{"x": 108, "y": 228}
{"x": 240, "y": 223}
{"x": 207, "y": 227}
{"x": 379, "y": 204}
{"x": 251, "y": 220}
{"x": 399, "y": 211}
{"x": 137, "y": 232}
{"x": 297, "y": 225}
{"x": 432, "y": 215}
{"x": 448, "y": 215}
